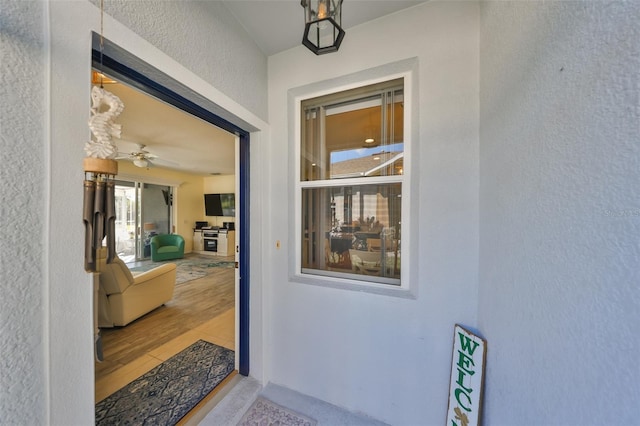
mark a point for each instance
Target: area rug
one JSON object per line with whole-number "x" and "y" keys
{"x": 267, "y": 413}
{"x": 165, "y": 394}
{"x": 188, "y": 268}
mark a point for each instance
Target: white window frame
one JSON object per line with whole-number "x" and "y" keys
{"x": 408, "y": 286}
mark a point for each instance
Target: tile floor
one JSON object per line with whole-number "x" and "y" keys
{"x": 236, "y": 394}
{"x": 219, "y": 330}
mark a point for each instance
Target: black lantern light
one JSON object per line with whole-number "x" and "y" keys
{"x": 322, "y": 30}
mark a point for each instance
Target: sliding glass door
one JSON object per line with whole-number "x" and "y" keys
{"x": 126, "y": 220}
{"x": 154, "y": 214}
{"x": 142, "y": 211}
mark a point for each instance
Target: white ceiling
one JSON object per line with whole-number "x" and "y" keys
{"x": 277, "y": 25}
{"x": 183, "y": 142}
{"x": 179, "y": 140}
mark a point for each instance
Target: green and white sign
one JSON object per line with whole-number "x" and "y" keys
{"x": 467, "y": 378}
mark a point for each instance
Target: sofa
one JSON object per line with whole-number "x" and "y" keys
{"x": 124, "y": 297}
{"x": 370, "y": 263}
{"x": 167, "y": 247}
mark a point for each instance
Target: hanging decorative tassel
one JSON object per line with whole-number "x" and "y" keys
{"x": 87, "y": 217}
{"x": 110, "y": 219}
{"x": 98, "y": 215}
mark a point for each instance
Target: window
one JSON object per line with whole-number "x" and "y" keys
{"x": 350, "y": 185}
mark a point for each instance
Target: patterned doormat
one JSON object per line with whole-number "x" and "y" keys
{"x": 267, "y": 413}
{"x": 165, "y": 394}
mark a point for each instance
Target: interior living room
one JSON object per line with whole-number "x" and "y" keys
{"x": 518, "y": 202}
{"x": 160, "y": 203}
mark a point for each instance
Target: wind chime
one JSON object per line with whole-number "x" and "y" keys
{"x": 100, "y": 167}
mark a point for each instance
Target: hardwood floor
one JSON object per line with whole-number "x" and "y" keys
{"x": 200, "y": 309}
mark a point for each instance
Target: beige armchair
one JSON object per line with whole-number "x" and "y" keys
{"x": 123, "y": 297}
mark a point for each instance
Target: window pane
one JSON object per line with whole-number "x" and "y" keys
{"x": 353, "y": 230}
{"x": 357, "y": 133}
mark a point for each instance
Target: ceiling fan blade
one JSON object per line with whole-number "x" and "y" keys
{"x": 141, "y": 147}
{"x": 161, "y": 162}
{"x": 144, "y": 158}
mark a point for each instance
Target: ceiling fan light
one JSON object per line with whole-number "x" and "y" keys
{"x": 369, "y": 140}
{"x": 140, "y": 162}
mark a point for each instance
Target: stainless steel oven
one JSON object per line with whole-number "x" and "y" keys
{"x": 210, "y": 239}
{"x": 211, "y": 244}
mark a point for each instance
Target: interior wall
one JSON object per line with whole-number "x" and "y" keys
{"x": 23, "y": 154}
{"x": 219, "y": 184}
{"x": 385, "y": 356}
{"x": 559, "y": 213}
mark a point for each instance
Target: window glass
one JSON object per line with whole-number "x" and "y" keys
{"x": 361, "y": 136}
{"x": 352, "y": 229}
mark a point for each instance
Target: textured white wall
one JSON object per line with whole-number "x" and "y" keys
{"x": 204, "y": 37}
{"x": 385, "y": 356}
{"x": 71, "y": 24}
{"x": 560, "y": 211}
{"x": 46, "y": 341}
{"x": 559, "y": 216}
{"x": 23, "y": 339}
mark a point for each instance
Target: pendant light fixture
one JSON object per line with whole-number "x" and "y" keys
{"x": 322, "y": 31}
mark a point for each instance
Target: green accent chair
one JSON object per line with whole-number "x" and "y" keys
{"x": 167, "y": 247}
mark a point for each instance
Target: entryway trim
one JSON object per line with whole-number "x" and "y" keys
{"x": 126, "y": 73}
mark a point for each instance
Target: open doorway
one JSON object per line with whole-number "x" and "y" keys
{"x": 239, "y": 256}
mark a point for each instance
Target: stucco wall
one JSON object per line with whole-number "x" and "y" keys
{"x": 385, "y": 356}
{"x": 560, "y": 211}
{"x": 204, "y": 37}
{"x": 23, "y": 339}
{"x": 558, "y": 296}
{"x": 70, "y": 316}
{"x": 46, "y": 306}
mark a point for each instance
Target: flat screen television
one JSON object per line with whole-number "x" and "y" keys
{"x": 219, "y": 204}
{"x": 212, "y": 205}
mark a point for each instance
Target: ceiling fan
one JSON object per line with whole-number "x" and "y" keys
{"x": 143, "y": 158}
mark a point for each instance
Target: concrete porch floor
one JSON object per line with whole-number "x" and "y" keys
{"x": 230, "y": 407}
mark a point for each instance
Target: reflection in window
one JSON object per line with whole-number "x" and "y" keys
{"x": 354, "y": 135}
{"x": 352, "y": 229}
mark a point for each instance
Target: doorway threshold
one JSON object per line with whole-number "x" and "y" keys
{"x": 228, "y": 405}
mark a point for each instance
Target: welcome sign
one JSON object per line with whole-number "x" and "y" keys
{"x": 467, "y": 378}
